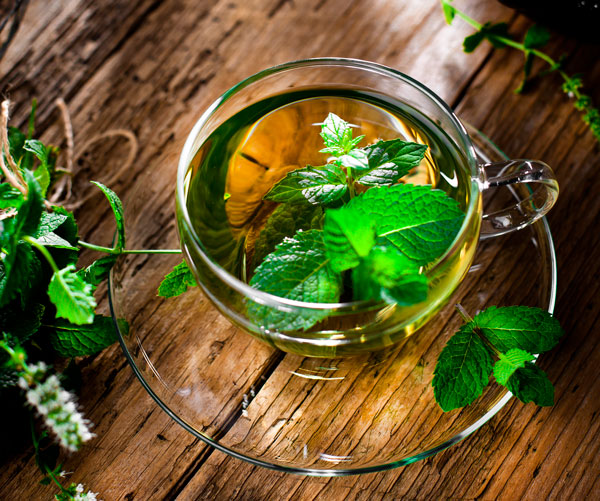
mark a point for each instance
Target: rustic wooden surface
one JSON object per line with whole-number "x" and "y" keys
{"x": 152, "y": 66}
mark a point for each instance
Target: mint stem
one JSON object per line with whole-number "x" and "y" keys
{"x": 110, "y": 250}
{"x": 44, "y": 251}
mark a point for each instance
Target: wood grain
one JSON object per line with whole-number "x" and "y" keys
{"x": 153, "y": 67}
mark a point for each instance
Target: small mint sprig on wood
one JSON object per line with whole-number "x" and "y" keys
{"x": 535, "y": 38}
{"x": 514, "y": 335}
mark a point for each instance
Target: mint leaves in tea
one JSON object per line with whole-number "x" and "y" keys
{"x": 334, "y": 197}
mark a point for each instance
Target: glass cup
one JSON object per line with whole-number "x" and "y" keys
{"x": 220, "y": 188}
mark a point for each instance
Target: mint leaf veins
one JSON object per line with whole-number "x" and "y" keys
{"x": 512, "y": 335}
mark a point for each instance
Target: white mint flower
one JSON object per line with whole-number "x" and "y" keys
{"x": 57, "y": 407}
{"x": 80, "y": 496}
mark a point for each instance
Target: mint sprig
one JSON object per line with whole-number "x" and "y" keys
{"x": 377, "y": 239}
{"x": 535, "y": 38}
{"x": 510, "y": 335}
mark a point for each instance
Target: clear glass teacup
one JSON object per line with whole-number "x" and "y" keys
{"x": 267, "y": 126}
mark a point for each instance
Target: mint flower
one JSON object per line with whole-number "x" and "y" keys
{"x": 81, "y": 496}
{"x": 75, "y": 493}
{"x": 56, "y": 406}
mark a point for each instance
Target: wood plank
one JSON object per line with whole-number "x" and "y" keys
{"x": 136, "y": 74}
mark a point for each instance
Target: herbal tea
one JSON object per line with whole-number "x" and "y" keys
{"x": 249, "y": 154}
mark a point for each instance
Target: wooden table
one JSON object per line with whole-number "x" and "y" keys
{"x": 152, "y": 67}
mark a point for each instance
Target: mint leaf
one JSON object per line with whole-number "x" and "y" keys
{"x": 21, "y": 271}
{"x": 177, "y": 281}
{"x": 537, "y": 36}
{"x": 387, "y": 274}
{"x": 463, "y": 370}
{"x": 526, "y": 72}
{"x": 337, "y": 136}
{"x": 20, "y": 323}
{"x": 357, "y": 160}
{"x": 509, "y": 362}
{"x": 473, "y": 41}
{"x": 390, "y": 160}
{"x": 10, "y": 197}
{"x": 48, "y": 223}
{"x": 30, "y": 212}
{"x": 298, "y": 269}
{"x": 531, "y": 384}
{"x": 53, "y": 240}
{"x": 488, "y": 31}
{"x": 68, "y": 229}
{"x": 117, "y": 207}
{"x": 530, "y": 329}
{"x": 449, "y": 11}
{"x": 317, "y": 185}
{"x": 285, "y": 220}
{"x": 420, "y": 222}
{"x": 70, "y": 340}
{"x": 42, "y": 176}
{"x": 348, "y": 236}
{"x": 72, "y": 296}
{"x": 16, "y": 141}
{"x": 43, "y": 153}
{"x": 38, "y": 149}
{"x": 98, "y": 270}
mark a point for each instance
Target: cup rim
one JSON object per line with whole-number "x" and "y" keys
{"x": 266, "y": 298}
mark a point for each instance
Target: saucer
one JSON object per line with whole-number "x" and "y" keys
{"x": 312, "y": 416}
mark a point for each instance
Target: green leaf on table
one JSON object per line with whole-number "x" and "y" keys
{"x": 177, "y": 281}
{"x": 98, "y": 271}
{"x": 337, "y": 136}
{"x": 21, "y": 323}
{"x": 449, "y": 11}
{"x": 72, "y": 296}
{"x": 390, "y": 160}
{"x": 419, "y": 221}
{"x": 348, "y": 235}
{"x": 537, "y": 36}
{"x": 317, "y": 185}
{"x": 530, "y": 329}
{"x": 285, "y": 220}
{"x": 70, "y": 340}
{"x": 117, "y": 207}
{"x": 489, "y": 32}
{"x": 509, "y": 362}
{"x": 389, "y": 275}
{"x": 298, "y": 269}
{"x": 463, "y": 370}
{"x": 531, "y": 384}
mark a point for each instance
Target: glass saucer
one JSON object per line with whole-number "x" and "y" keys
{"x": 314, "y": 416}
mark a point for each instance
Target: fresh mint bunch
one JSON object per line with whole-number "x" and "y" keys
{"x": 535, "y": 38}
{"x": 377, "y": 235}
{"x": 513, "y": 335}
{"x": 47, "y": 306}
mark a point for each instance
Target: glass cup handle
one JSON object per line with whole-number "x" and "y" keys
{"x": 532, "y": 184}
